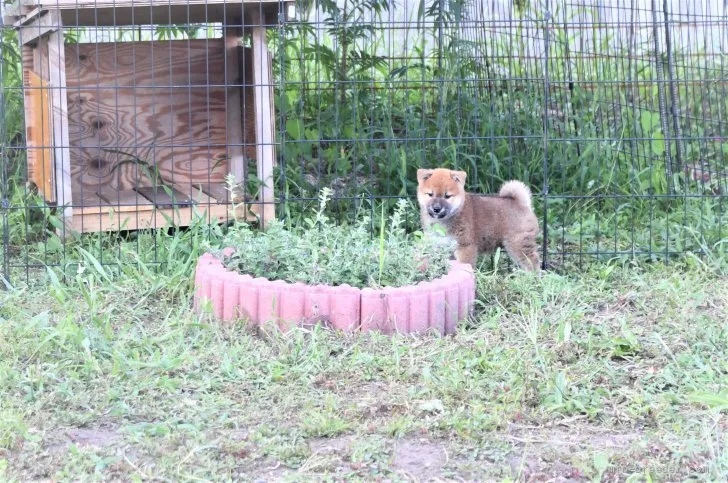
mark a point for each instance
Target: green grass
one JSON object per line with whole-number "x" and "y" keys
{"x": 617, "y": 373}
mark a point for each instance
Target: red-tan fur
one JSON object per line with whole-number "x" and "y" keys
{"x": 480, "y": 224}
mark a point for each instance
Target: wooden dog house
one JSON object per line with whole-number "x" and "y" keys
{"x": 141, "y": 134}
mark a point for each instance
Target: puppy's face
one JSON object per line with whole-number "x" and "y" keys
{"x": 440, "y": 192}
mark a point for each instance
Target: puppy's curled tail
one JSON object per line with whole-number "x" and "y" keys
{"x": 517, "y": 191}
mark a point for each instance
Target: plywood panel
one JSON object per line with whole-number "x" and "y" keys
{"x": 88, "y": 198}
{"x": 38, "y": 134}
{"x": 111, "y": 218}
{"x": 126, "y": 200}
{"x": 165, "y": 196}
{"x": 219, "y": 193}
{"x": 150, "y": 108}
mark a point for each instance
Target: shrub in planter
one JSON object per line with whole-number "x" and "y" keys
{"x": 339, "y": 275}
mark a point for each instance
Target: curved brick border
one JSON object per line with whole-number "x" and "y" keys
{"x": 438, "y": 305}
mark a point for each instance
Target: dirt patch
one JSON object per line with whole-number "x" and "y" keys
{"x": 339, "y": 446}
{"x": 550, "y": 453}
{"x": 557, "y": 454}
{"x": 412, "y": 459}
{"x": 529, "y": 467}
{"x": 263, "y": 471}
{"x": 45, "y": 461}
{"x": 419, "y": 459}
{"x": 98, "y": 438}
{"x": 609, "y": 311}
{"x": 60, "y": 440}
{"x": 573, "y": 437}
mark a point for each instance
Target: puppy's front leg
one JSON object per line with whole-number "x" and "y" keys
{"x": 467, "y": 254}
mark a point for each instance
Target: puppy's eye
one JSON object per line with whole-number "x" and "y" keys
{"x": 448, "y": 196}
{"x": 429, "y": 194}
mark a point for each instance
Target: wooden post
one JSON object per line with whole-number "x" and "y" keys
{"x": 37, "y": 25}
{"x": 234, "y": 128}
{"x": 59, "y": 118}
{"x": 41, "y": 38}
{"x": 264, "y": 129}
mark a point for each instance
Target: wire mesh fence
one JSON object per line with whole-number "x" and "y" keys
{"x": 124, "y": 118}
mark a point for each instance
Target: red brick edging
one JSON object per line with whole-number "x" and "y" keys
{"x": 438, "y": 305}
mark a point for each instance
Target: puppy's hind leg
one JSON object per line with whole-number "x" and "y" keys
{"x": 524, "y": 251}
{"x": 467, "y": 254}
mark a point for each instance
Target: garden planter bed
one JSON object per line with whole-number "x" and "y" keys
{"x": 437, "y": 305}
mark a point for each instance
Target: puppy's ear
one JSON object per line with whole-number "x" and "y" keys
{"x": 459, "y": 176}
{"x": 423, "y": 175}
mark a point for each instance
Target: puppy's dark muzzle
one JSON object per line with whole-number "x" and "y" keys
{"x": 437, "y": 211}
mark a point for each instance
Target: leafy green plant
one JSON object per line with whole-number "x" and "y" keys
{"x": 320, "y": 251}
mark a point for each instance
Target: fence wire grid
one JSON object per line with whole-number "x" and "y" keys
{"x": 122, "y": 118}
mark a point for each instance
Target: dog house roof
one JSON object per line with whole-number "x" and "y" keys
{"x": 144, "y": 12}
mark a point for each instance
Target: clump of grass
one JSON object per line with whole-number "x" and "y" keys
{"x": 320, "y": 251}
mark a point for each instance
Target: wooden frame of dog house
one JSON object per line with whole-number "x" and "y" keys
{"x": 198, "y": 108}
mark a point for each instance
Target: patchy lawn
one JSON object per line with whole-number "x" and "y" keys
{"x": 616, "y": 374}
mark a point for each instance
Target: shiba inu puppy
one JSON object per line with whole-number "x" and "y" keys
{"x": 480, "y": 224}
